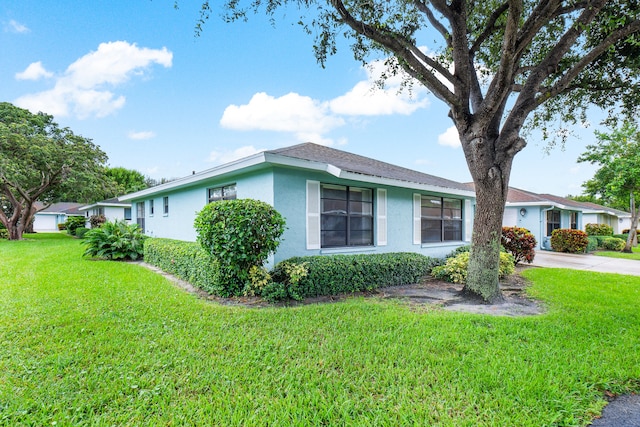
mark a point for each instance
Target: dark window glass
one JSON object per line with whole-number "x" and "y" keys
{"x": 127, "y": 214}
{"x": 165, "y": 205}
{"x": 553, "y": 221}
{"x": 228, "y": 192}
{"x": 441, "y": 219}
{"x": 347, "y": 216}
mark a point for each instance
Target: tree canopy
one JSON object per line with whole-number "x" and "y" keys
{"x": 618, "y": 178}
{"x": 498, "y": 65}
{"x": 126, "y": 180}
{"x": 40, "y": 161}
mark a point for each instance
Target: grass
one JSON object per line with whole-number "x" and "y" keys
{"x": 635, "y": 254}
{"x": 105, "y": 343}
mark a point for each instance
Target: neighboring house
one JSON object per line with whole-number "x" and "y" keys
{"x": 333, "y": 202}
{"x": 597, "y": 214}
{"x": 112, "y": 209}
{"x": 543, "y": 213}
{"x": 47, "y": 219}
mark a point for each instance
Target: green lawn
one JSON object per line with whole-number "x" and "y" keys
{"x": 105, "y": 343}
{"x": 613, "y": 254}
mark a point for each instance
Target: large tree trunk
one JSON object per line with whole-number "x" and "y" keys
{"x": 632, "y": 237}
{"x": 489, "y": 160}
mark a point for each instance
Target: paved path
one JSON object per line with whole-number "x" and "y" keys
{"x": 623, "y": 411}
{"x": 586, "y": 262}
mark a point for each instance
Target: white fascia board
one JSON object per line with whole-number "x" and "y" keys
{"x": 246, "y": 162}
{"x": 106, "y": 205}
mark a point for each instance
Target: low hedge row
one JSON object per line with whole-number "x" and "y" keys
{"x": 609, "y": 243}
{"x": 186, "y": 260}
{"x": 330, "y": 275}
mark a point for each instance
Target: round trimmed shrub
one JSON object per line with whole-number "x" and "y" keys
{"x": 73, "y": 223}
{"x": 239, "y": 234}
{"x": 519, "y": 242}
{"x": 567, "y": 240}
{"x": 613, "y": 244}
{"x": 455, "y": 269}
{"x": 598, "y": 229}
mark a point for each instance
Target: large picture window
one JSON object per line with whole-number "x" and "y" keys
{"x": 228, "y": 192}
{"x": 346, "y": 216}
{"x": 441, "y": 219}
{"x": 553, "y": 221}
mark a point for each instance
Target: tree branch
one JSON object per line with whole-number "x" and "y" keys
{"x": 527, "y": 101}
{"x": 490, "y": 27}
{"x": 563, "y": 83}
{"x": 422, "y": 7}
{"x": 405, "y": 51}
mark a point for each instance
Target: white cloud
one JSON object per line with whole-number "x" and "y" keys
{"x": 34, "y": 71}
{"x": 367, "y": 99}
{"x": 82, "y": 87}
{"x": 449, "y": 138}
{"x": 292, "y": 113}
{"x": 14, "y": 26}
{"x": 227, "y": 156}
{"x": 140, "y": 135}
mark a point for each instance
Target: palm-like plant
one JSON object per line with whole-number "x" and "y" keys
{"x": 115, "y": 240}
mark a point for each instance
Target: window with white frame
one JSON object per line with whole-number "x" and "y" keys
{"x": 553, "y": 221}
{"x": 440, "y": 219}
{"x": 346, "y": 216}
{"x": 227, "y": 192}
{"x": 574, "y": 220}
{"x": 165, "y": 205}
{"x": 151, "y": 208}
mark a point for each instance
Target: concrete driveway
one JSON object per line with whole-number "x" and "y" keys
{"x": 586, "y": 262}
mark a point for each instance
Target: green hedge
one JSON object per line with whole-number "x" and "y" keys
{"x": 186, "y": 260}
{"x": 331, "y": 275}
{"x": 598, "y": 229}
{"x": 593, "y": 244}
{"x": 613, "y": 244}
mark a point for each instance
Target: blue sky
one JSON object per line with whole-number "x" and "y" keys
{"x": 132, "y": 76}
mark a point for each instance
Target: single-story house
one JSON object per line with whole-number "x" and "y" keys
{"x": 47, "y": 219}
{"x": 543, "y": 213}
{"x": 113, "y": 209}
{"x": 334, "y": 202}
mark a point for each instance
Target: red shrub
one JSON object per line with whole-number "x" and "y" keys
{"x": 566, "y": 240}
{"x": 519, "y": 242}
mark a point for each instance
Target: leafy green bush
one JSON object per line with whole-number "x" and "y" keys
{"x": 613, "y": 244}
{"x": 455, "y": 269}
{"x": 115, "y": 240}
{"x": 239, "y": 234}
{"x": 311, "y": 276}
{"x": 187, "y": 260}
{"x": 81, "y": 231}
{"x": 520, "y": 243}
{"x": 97, "y": 220}
{"x": 598, "y": 229}
{"x": 622, "y": 236}
{"x": 567, "y": 240}
{"x": 74, "y": 222}
{"x": 593, "y": 244}
{"x": 4, "y": 234}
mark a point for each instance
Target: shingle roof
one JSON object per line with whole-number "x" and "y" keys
{"x": 68, "y": 208}
{"x": 363, "y": 165}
